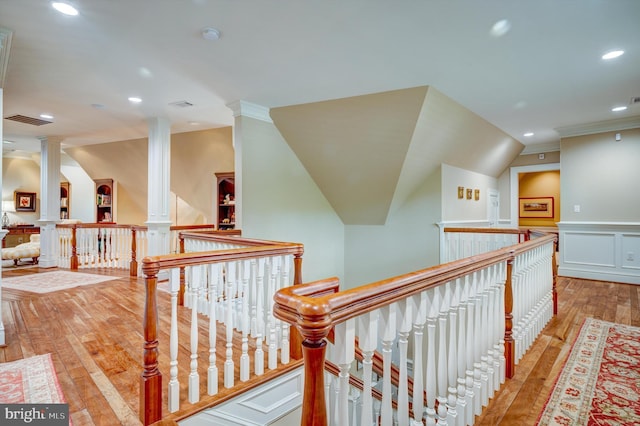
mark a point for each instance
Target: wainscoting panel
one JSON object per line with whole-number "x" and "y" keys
{"x": 600, "y": 251}
{"x": 276, "y": 403}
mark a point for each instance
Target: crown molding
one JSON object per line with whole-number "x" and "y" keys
{"x": 539, "y": 148}
{"x": 247, "y": 109}
{"x": 599, "y": 127}
{"x": 5, "y": 47}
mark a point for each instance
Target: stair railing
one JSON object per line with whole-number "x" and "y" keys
{"x": 227, "y": 292}
{"x": 466, "y": 323}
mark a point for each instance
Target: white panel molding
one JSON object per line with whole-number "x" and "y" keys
{"x": 603, "y": 251}
{"x": 264, "y": 405}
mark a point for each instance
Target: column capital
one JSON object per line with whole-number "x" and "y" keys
{"x": 247, "y": 109}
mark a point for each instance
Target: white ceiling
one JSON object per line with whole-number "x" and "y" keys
{"x": 545, "y": 74}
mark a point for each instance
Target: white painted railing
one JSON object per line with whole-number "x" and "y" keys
{"x": 444, "y": 336}
{"x": 458, "y": 243}
{"x": 97, "y": 245}
{"x": 229, "y": 292}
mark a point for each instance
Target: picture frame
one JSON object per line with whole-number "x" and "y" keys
{"x": 538, "y": 207}
{"x": 469, "y": 193}
{"x": 461, "y": 192}
{"x": 476, "y": 194}
{"x": 25, "y": 201}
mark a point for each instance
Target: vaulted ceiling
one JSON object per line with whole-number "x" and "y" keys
{"x": 369, "y": 153}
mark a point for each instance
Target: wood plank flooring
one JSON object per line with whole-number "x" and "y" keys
{"x": 95, "y": 335}
{"x": 522, "y": 398}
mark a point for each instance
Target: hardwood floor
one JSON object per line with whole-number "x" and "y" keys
{"x": 95, "y": 335}
{"x": 522, "y": 398}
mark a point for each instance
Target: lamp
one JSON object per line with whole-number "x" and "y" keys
{"x": 7, "y": 206}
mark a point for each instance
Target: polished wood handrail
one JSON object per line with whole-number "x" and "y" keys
{"x": 151, "y": 377}
{"x": 315, "y": 316}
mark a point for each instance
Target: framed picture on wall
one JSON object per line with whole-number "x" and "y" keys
{"x": 541, "y": 207}
{"x": 25, "y": 201}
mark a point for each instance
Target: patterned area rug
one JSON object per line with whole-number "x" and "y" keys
{"x": 53, "y": 281}
{"x": 600, "y": 382}
{"x": 30, "y": 380}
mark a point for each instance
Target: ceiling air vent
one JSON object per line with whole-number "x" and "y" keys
{"x": 181, "y": 104}
{"x": 635, "y": 100}
{"x": 28, "y": 120}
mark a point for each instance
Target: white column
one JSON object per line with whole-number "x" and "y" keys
{"x": 159, "y": 193}
{"x": 49, "y": 200}
{"x": 242, "y": 109}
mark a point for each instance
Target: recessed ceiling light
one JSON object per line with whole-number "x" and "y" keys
{"x": 65, "y": 8}
{"x": 613, "y": 54}
{"x": 528, "y": 134}
{"x": 500, "y": 28}
{"x": 210, "y": 34}
{"x": 618, "y": 108}
{"x": 135, "y": 100}
{"x": 46, "y": 116}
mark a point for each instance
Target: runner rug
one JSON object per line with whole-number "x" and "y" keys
{"x": 600, "y": 382}
{"x": 53, "y": 281}
{"x": 30, "y": 380}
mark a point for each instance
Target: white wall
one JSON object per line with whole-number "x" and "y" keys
{"x": 82, "y": 193}
{"x": 281, "y": 202}
{"x": 455, "y": 209}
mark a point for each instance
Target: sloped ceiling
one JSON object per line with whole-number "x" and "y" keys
{"x": 369, "y": 153}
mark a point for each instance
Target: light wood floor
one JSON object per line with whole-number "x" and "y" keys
{"x": 95, "y": 336}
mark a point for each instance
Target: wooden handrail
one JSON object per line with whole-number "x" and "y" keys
{"x": 151, "y": 378}
{"x": 315, "y": 316}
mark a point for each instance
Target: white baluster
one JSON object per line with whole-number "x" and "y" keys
{"x": 419, "y": 308}
{"x": 344, "y": 351}
{"x": 284, "y": 345}
{"x": 404, "y": 328}
{"x": 174, "y": 385}
{"x": 431, "y": 372}
{"x": 388, "y": 325}
{"x": 272, "y": 358}
{"x": 229, "y": 378}
{"x": 245, "y": 271}
{"x": 212, "y": 371}
{"x": 260, "y": 295}
{"x": 194, "y": 378}
{"x": 368, "y": 339}
{"x": 442, "y": 297}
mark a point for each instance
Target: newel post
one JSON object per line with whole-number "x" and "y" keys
{"x": 74, "y": 250}
{"x": 295, "y": 349}
{"x": 509, "y": 344}
{"x": 151, "y": 378}
{"x": 133, "y": 265}
{"x": 314, "y": 348}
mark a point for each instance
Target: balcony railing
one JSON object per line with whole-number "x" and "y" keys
{"x": 452, "y": 332}
{"x": 228, "y": 289}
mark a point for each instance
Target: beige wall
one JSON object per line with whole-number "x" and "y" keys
{"x": 601, "y": 176}
{"x": 407, "y": 242}
{"x": 456, "y": 209}
{"x": 281, "y": 202}
{"x": 195, "y": 158}
{"x": 539, "y": 185}
{"x": 21, "y": 175}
